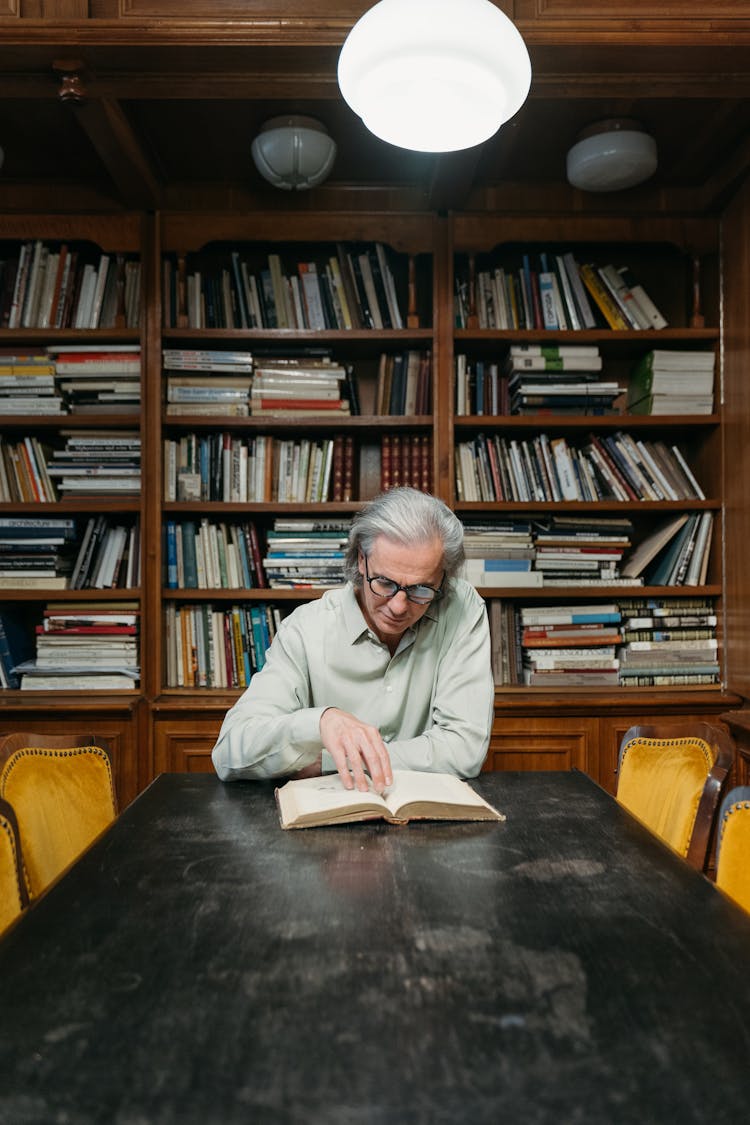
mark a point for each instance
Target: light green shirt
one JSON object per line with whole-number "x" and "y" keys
{"x": 432, "y": 701}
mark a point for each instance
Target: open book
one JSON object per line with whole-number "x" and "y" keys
{"x": 314, "y": 801}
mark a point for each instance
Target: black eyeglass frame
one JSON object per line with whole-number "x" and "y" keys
{"x": 435, "y": 593}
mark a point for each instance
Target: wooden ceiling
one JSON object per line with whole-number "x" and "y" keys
{"x": 165, "y": 121}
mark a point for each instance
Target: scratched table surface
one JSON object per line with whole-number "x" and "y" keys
{"x": 199, "y": 964}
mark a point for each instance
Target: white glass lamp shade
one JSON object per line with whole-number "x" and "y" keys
{"x": 294, "y": 153}
{"x": 434, "y": 75}
{"x": 612, "y": 159}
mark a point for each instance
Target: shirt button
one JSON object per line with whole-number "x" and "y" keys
{"x": 389, "y": 688}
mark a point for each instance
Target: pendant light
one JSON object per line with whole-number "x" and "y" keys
{"x": 294, "y": 153}
{"x": 434, "y": 75}
{"x": 611, "y": 155}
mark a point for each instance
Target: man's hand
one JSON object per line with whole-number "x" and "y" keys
{"x": 355, "y": 747}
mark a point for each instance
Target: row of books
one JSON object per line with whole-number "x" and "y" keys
{"x": 109, "y": 556}
{"x": 586, "y": 551}
{"x": 554, "y": 291}
{"x": 75, "y": 378}
{"x": 569, "y": 379}
{"x": 283, "y": 384}
{"x": 219, "y": 647}
{"x": 257, "y": 469}
{"x": 649, "y": 642}
{"x": 351, "y": 288}
{"x": 607, "y": 467}
{"x": 57, "y": 285}
{"x": 212, "y": 555}
{"x": 74, "y": 647}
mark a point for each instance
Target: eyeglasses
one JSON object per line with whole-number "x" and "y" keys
{"x": 386, "y": 588}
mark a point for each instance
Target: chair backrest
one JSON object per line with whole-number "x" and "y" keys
{"x": 63, "y": 797}
{"x": 14, "y": 896}
{"x": 671, "y": 776}
{"x": 733, "y": 846}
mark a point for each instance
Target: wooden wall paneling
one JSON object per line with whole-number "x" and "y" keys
{"x": 532, "y": 743}
{"x": 184, "y": 745}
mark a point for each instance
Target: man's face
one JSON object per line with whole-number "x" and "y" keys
{"x": 419, "y": 564}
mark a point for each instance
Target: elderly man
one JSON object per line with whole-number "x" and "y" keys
{"x": 390, "y": 671}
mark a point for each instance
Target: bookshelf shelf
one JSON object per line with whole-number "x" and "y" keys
{"x": 588, "y": 506}
{"x": 258, "y": 594}
{"x": 657, "y": 422}
{"x": 595, "y": 591}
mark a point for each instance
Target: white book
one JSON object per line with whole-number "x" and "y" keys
{"x": 31, "y": 296}
{"x": 99, "y": 287}
{"x": 82, "y": 314}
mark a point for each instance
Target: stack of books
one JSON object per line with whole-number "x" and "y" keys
{"x": 560, "y": 379}
{"x": 92, "y": 647}
{"x": 36, "y": 553}
{"x": 97, "y": 463}
{"x": 208, "y": 381}
{"x": 212, "y": 556}
{"x": 668, "y": 643}
{"x": 570, "y": 646}
{"x": 672, "y": 382}
{"x": 96, "y": 379}
{"x": 499, "y": 553}
{"x": 306, "y": 384}
{"x": 27, "y": 384}
{"x": 306, "y": 553}
{"x": 582, "y": 550}
{"x": 219, "y": 647}
{"x": 108, "y": 556}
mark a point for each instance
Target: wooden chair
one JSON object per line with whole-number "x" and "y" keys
{"x": 671, "y": 777}
{"x": 62, "y": 792}
{"x": 733, "y": 846}
{"x": 14, "y": 897}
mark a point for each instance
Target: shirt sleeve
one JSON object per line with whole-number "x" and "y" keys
{"x": 272, "y": 731}
{"x": 462, "y": 708}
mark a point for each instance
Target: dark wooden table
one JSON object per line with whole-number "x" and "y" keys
{"x": 199, "y": 965}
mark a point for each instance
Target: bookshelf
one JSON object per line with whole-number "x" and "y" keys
{"x": 164, "y": 726}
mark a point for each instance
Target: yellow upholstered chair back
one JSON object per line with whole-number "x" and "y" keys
{"x": 63, "y": 798}
{"x": 733, "y": 846}
{"x": 13, "y": 894}
{"x": 671, "y": 777}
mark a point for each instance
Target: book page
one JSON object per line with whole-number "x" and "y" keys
{"x": 317, "y": 798}
{"x": 413, "y": 787}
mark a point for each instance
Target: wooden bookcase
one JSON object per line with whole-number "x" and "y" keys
{"x": 161, "y": 728}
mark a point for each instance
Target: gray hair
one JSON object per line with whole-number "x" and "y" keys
{"x": 405, "y": 516}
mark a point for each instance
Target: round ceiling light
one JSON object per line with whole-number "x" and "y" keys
{"x": 434, "y": 75}
{"x": 612, "y": 155}
{"x": 294, "y": 153}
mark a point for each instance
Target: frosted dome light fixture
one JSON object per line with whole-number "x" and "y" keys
{"x": 294, "y": 153}
{"x": 612, "y": 155}
{"x": 434, "y": 75}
